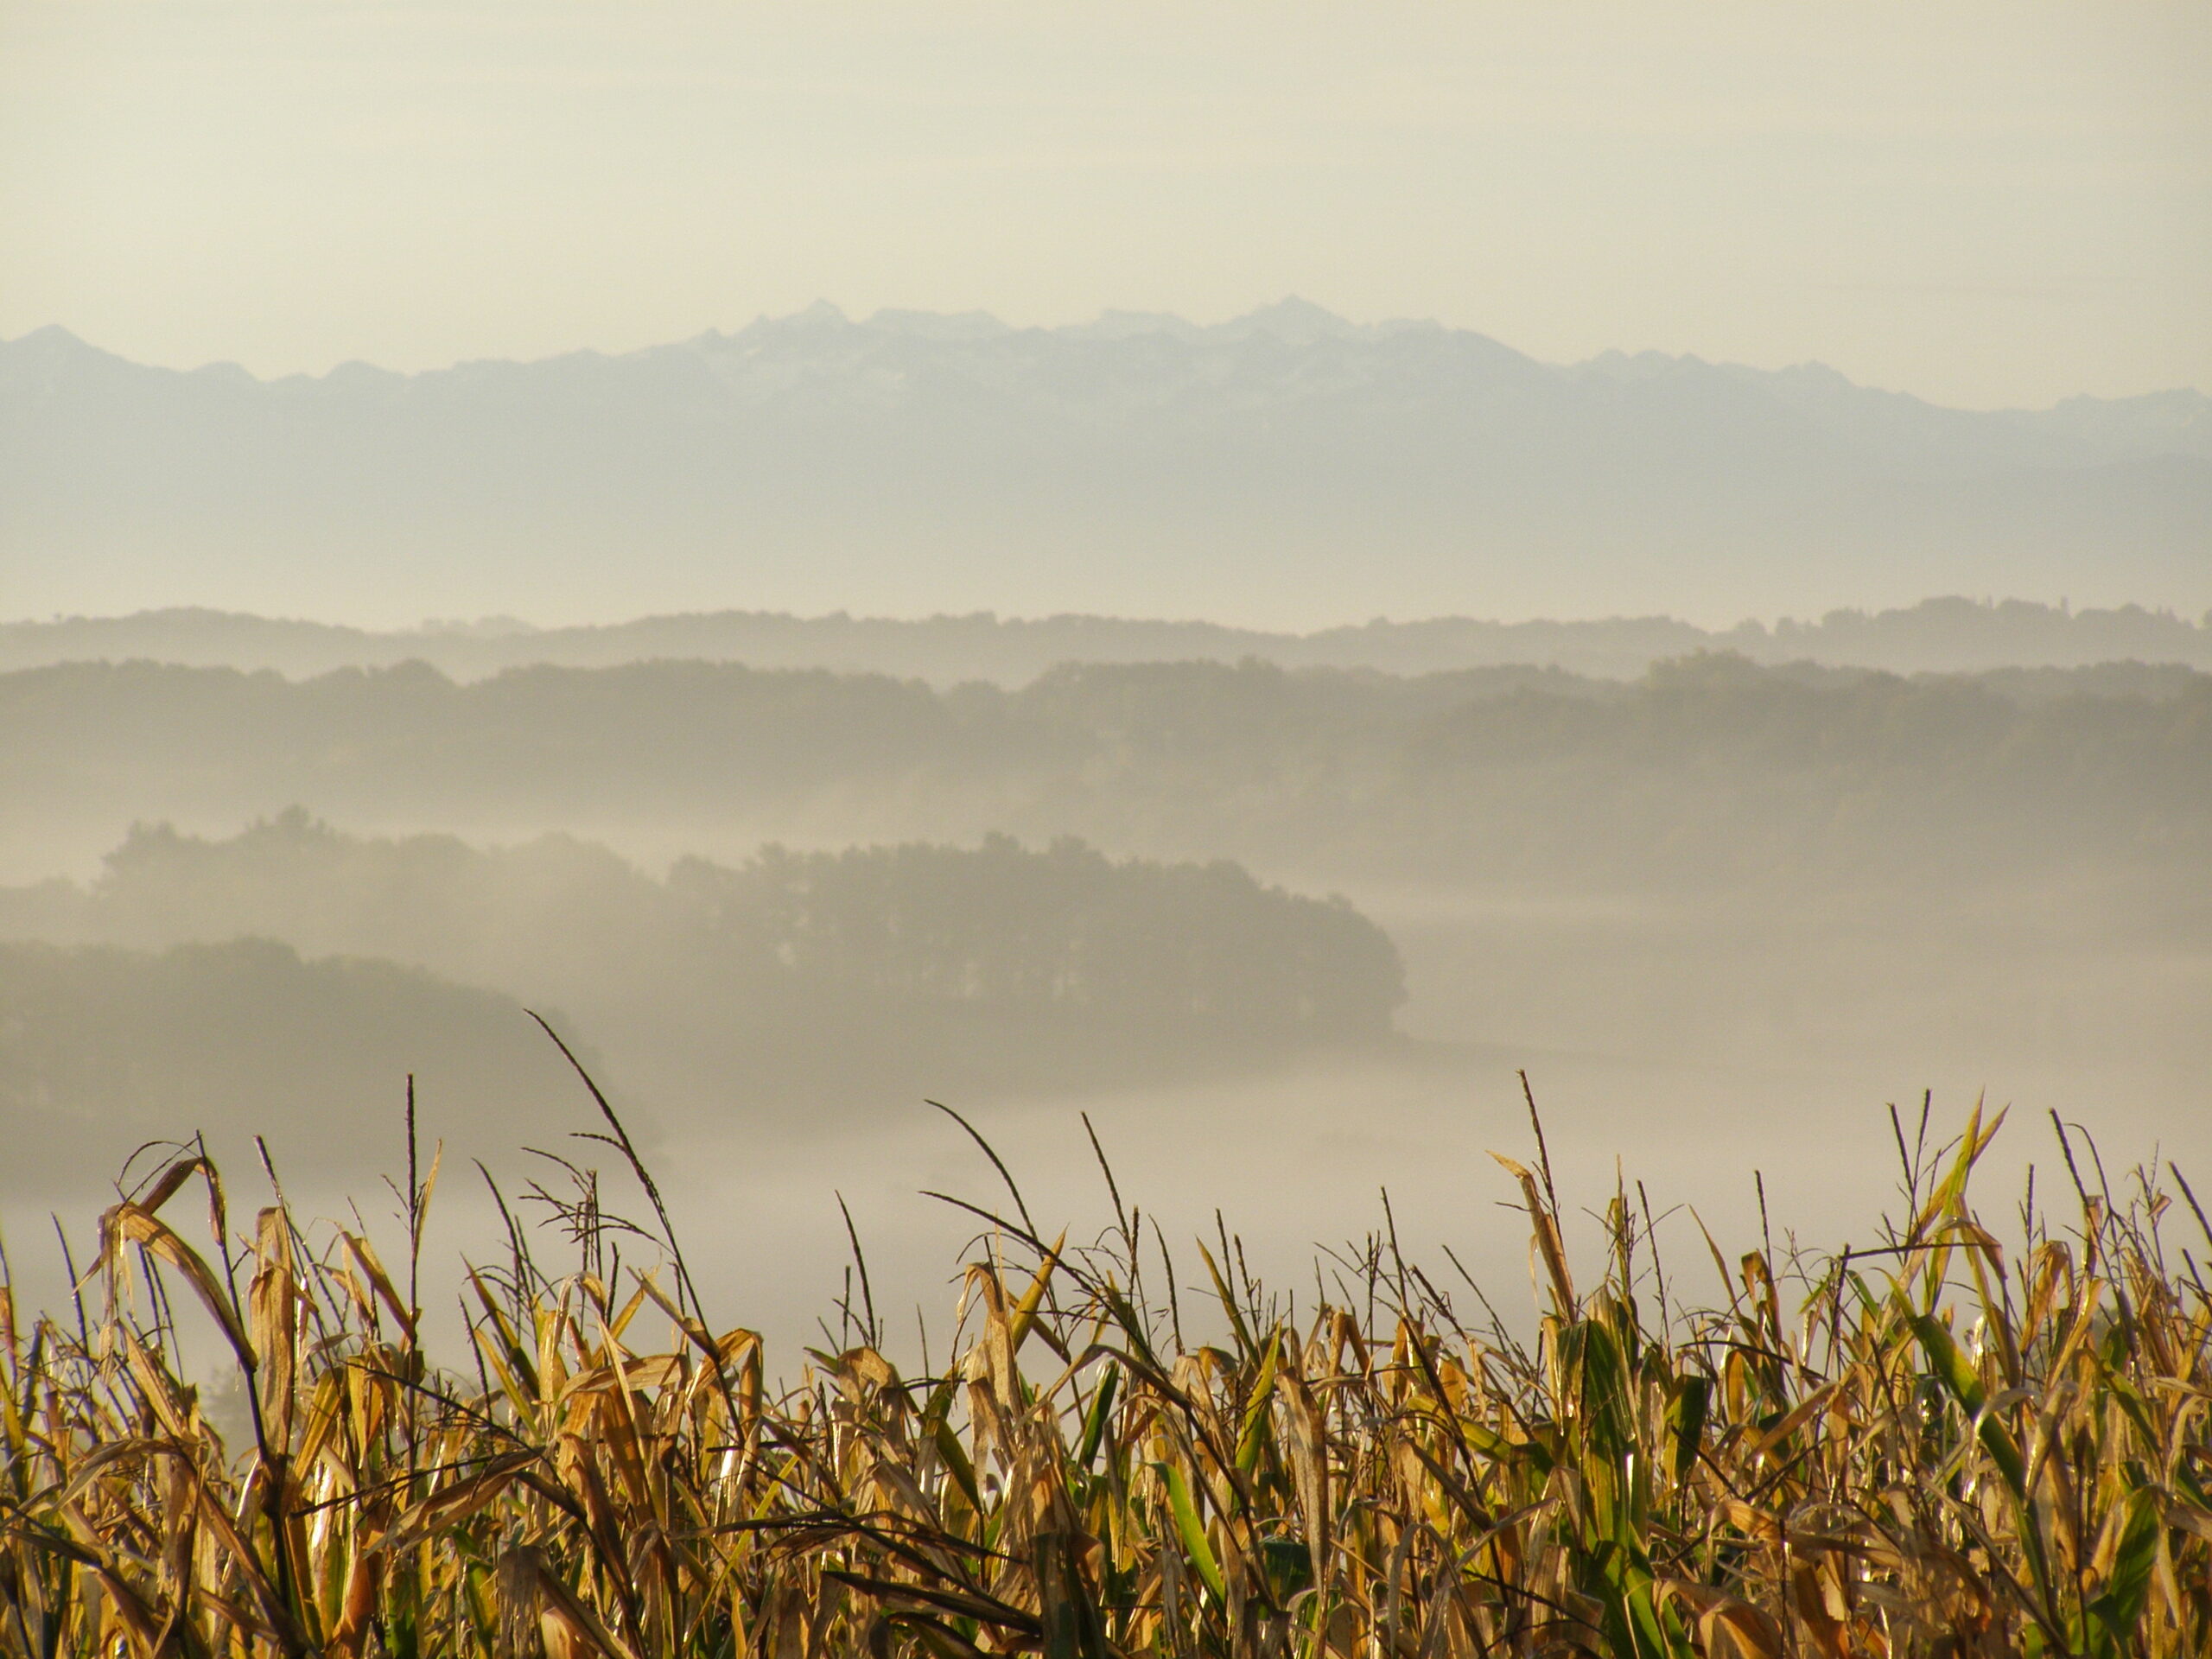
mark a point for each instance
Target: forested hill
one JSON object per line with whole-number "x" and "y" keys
{"x": 1172, "y": 955}
{"x": 816, "y": 988}
{"x": 1707, "y": 767}
{"x": 1935, "y": 636}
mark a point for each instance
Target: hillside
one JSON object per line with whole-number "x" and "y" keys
{"x": 103, "y": 1048}
{"x": 791, "y": 985}
{"x": 1949, "y": 635}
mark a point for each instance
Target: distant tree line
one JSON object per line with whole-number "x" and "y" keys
{"x": 1708, "y": 768}
{"x": 1135, "y": 944}
{"x": 1946, "y": 635}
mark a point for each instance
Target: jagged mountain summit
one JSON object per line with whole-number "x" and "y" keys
{"x": 1288, "y": 468}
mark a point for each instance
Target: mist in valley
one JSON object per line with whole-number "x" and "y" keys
{"x": 1286, "y": 938}
{"x": 1242, "y": 577}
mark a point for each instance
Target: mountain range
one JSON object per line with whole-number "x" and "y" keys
{"x": 1287, "y": 469}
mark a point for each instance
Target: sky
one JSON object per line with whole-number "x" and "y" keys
{"x": 1988, "y": 205}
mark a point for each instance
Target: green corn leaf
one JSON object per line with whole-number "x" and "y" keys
{"x": 1094, "y": 1425}
{"x": 1191, "y": 1530}
{"x": 1252, "y": 1434}
{"x": 1951, "y": 1368}
{"x": 1692, "y": 1402}
{"x": 956, "y": 1459}
{"x": 2119, "y": 1609}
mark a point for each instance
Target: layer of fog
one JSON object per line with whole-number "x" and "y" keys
{"x": 1698, "y": 987}
{"x": 1303, "y": 1171}
{"x": 1679, "y": 1049}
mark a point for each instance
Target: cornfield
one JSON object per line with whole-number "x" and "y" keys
{"x": 1938, "y": 1445}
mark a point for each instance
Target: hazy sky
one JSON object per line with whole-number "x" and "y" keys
{"x": 1985, "y": 204}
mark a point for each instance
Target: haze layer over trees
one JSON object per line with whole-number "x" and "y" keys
{"x": 800, "y": 897}
{"x": 792, "y": 979}
{"x": 1708, "y": 770}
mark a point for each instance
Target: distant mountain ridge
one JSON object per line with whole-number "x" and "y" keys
{"x": 822, "y": 347}
{"x": 1281, "y": 467}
